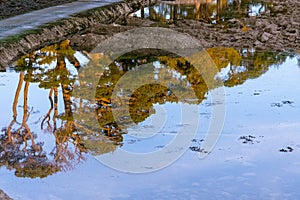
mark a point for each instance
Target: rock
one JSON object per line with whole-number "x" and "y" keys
{"x": 278, "y": 9}
{"x": 237, "y": 37}
{"x": 257, "y": 43}
{"x": 87, "y": 42}
{"x": 235, "y": 23}
{"x": 271, "y": 28}
{"x": 265, "y": 37}
{"x": 4, "y": 196}
{"x": 268, "y": 13}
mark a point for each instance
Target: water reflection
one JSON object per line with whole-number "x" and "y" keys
{"x": 55, "y": 69}
{"x": 211, "y": 11}
{"x": 19, "y": 149}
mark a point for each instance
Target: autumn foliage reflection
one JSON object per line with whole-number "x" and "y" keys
{"x": 209, "y": 11}
{"x": 19, "y": 149}
{"x": 51, "y": 68}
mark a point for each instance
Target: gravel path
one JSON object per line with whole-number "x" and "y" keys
{"x": 17, "y": 24}
{"x": 10, "y": 8}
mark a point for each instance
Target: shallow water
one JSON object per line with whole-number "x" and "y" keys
{"x": 256, "y": 155}
{"x": 214, "y": 12}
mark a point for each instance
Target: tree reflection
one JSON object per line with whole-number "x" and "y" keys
{"x": 240, "y": 68}
{"x": 97, "y": 129}
{"x": 203, "y": 10}
{"x": 19, "y": 149}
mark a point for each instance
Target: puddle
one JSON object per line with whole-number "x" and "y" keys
{"x": 211, "y": 11}
{"x": 49, "y": 131}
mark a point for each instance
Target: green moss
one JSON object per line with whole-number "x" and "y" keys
{"x": 17, "y": 37}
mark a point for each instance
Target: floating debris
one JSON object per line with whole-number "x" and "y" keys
{"x": 287, "y": 102}
{"x": 276, "y": 105}
{"x": 198, "y": 149}
{"x": 197, "y": 140}
{"x": 197, "y": 146}
{"x": 249, "y": 139}
{"x": 287, "y": 149}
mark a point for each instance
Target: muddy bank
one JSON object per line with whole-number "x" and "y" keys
{"x": 13, "y": 47}
{"x": 4, "y": 196}
{"x": 11, "y": 8}
{"x": 276, "y": 29}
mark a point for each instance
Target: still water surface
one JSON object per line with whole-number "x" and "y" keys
{"x": 212, "y": 11}
{"x": 47, "y": 151}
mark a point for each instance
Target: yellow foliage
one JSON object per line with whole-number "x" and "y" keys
{"x": 223, "y": 56}
{"x": 245, "y": 28}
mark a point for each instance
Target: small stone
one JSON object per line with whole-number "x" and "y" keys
{"x": 268, "y": 13}
{"x": 271, "y": 28}
{"x": 257, "y": 43}
{"x": 265, "y": 37}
